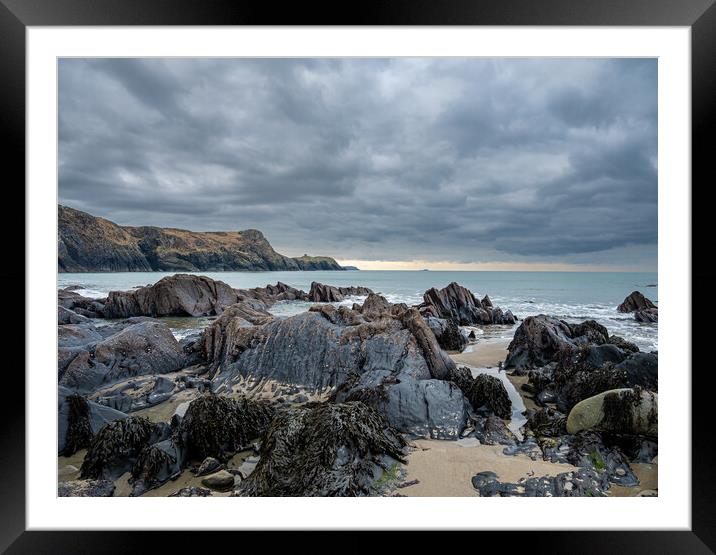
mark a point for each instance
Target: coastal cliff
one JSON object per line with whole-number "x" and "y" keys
{"x": 90, "y": 244}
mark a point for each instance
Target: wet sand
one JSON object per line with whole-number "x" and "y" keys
{"x": 483, "y": 354}
{"x": 445, "y": 468}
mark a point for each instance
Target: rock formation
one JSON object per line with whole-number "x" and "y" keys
{"x": 90, "y": 244}
{"x": 457, "y": 303}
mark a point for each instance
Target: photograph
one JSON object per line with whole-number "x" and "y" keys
{"x": 358, "y": 277}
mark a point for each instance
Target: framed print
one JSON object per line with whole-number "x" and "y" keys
{"x": 396, "y": 272}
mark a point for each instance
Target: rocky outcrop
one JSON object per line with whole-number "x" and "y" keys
{"x": 177, "y": 295}
{"x": 319, "y": 349}
{"x": 647, "y": 315}
{"x": 321, "y": 293}
{"x": 448, "y": 333}
{"x": 388, "y": 351}
{"x": 272, "y": 294}
{"x": 90, "y": 244}
{"x": 635, "y": 301}
{"x": 76, "y": 303}
{"x": 115, "y": 449}
{"x": 457, "y": 303}
{"x": 218, "y": 427}
{"x": 542, "y": 339}
{"x": 324, "y": 450}
{"x": 91, "y": 360}
{"x": 422, "y": 408}
{"x": 489, "y": 392}
{"x": 79, "y": 420}
{"x": 625, "y": 411}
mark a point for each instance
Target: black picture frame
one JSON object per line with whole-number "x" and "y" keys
{"x": 699, "y": 15}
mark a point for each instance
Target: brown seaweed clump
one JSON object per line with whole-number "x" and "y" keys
{"x": 116, "y": 447}
{"x": 79, "y": 432}
{"x": 220, "y": 426}
{"x": 324, "y": 450}
{"x": 489, "y": 391}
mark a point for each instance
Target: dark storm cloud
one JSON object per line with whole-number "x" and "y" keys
{"x": 465, "y": 160}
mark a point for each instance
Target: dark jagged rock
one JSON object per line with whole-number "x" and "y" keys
{"x": 319, "y": 349}
{"x": 457, "y": 303}
{"x": 83, "y": 306}
{"x": 67, "y": 316}
{"x": 623, "y": 344}
{"x": 115, "y": 449}
{"x": 542, "y": 339}
{"x": 321, "y": 293}
{"x": 324, "y": 450}
{"x": 421, "y": 408}
{"x": 547, "y": 422}
{"x": 86, "y": 488}
{"x": 272, "y": 294}
{"x": 461, "y": 376}
{"x": 647, "y": 315}
{"x": 635, "y": 301}
{"x": 581, "y": 483}
{"x": 448, "y": 333}
{"x": 90, "y": 244}
{"x": 587, "y": 449}
{"x": 589, "y": 371}
{"x": 79, "y": 420}
{"x": 177, "y": 295}
{"x": 218, "y": 427}
{"x": 138, "y": 349}
{"x": 492, "y": 430}
{"x": 156, "y": 464}
{"x": 488, "y": 391}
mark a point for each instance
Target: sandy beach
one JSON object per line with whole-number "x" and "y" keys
{"x": 445, "y": 468}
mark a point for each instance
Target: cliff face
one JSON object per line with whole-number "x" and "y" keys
{"x": 90, "y": 244}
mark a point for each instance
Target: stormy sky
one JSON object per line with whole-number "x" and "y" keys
{"x": 429, "y": 162}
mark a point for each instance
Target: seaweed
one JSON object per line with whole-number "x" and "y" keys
{"x": 489, "y": 391}
{"x": 323, "y": 450}
{"x": 220, "y": 426}
{"x": 79, "y": 432}
{"x": 116, "y": 446}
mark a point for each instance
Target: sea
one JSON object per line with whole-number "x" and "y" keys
{"x": 571, "y": 296}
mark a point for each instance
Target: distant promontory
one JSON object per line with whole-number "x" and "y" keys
{"x": 87, "y": 243}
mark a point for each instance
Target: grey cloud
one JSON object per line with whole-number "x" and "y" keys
{"x": 539, "y": 160}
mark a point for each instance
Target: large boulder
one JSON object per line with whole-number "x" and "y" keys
{"x": 320, "y": 293}
{"x": 635, "y": 301}
{"x": 319, "y": 349}
{"x": 626, "y": 411}
{"x": 325, "y": 450}
{"x": 84, "y": 306}
{"x": 273, "y": 293}
{"x": 542, "y": 339}
{"x": 115, "y": 449}
{"x": 144, "y": 348}
{"x": 422, "y": 408}
{"x": 79, "y": 420}
{"x": 448, "y": 333}
{"x": 177, "y": 295}
{"x": 647, "y": 315}
{"x": 457, "y": 303}
{"x": 584, "y": 374}
{"x": 218, "y": 427}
